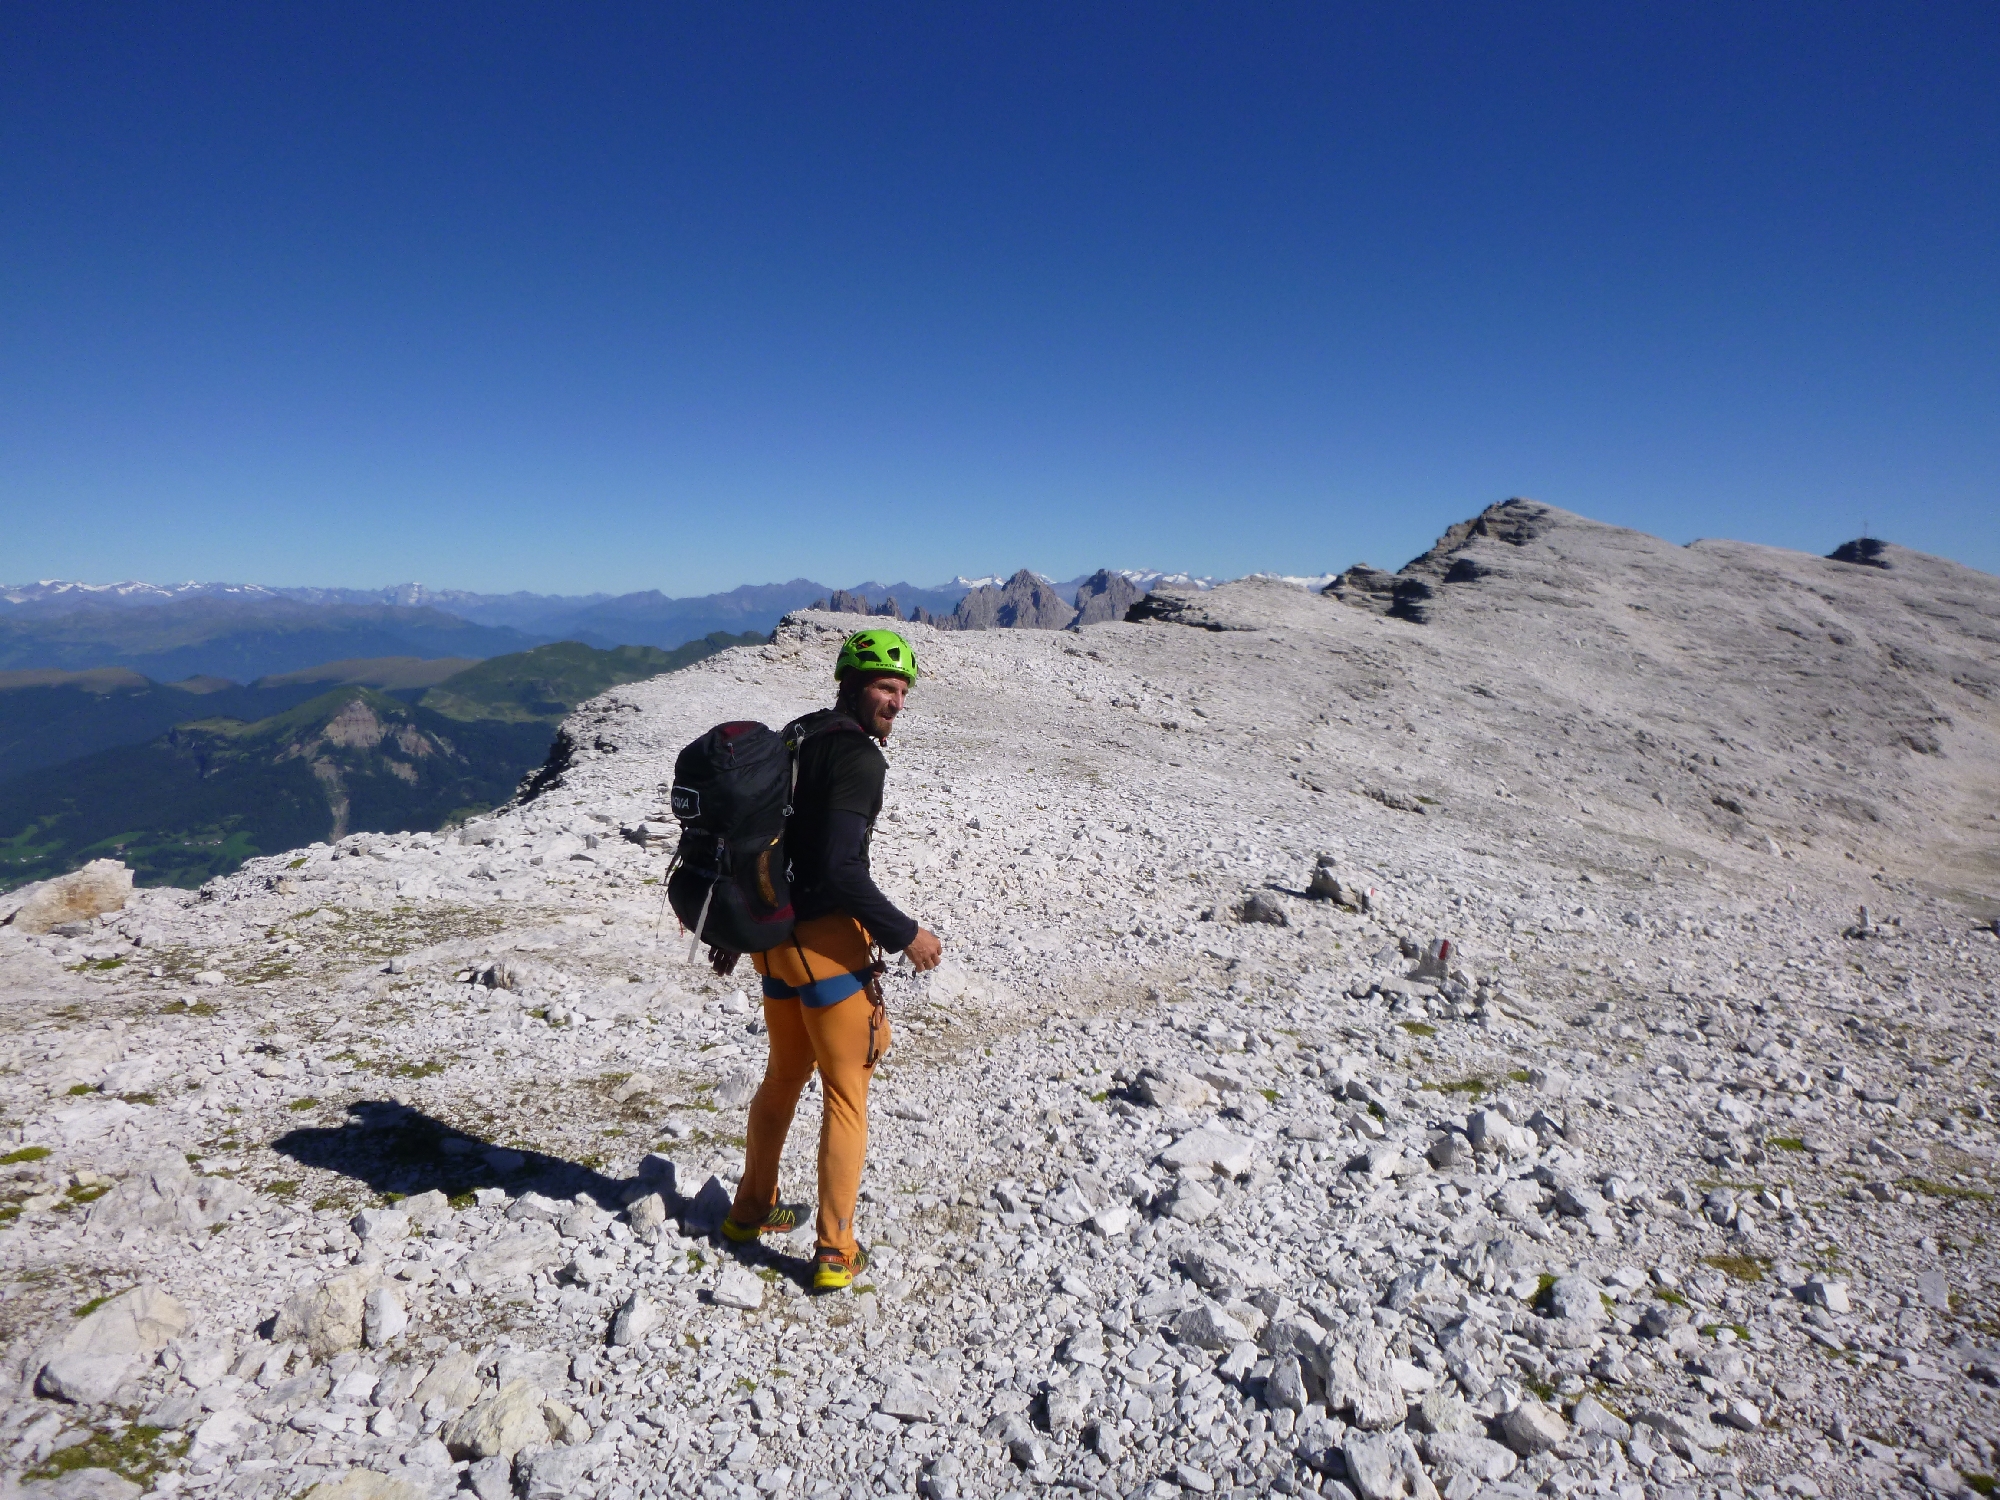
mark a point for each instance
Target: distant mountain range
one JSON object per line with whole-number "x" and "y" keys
{"x": 185, "y": 727}
{"x": 240, "y": 638}
{"x": 245, "y": 632}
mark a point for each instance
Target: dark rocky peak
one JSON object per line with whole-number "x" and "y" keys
{"x": 1455, "y": 558}
{"x": 1867, "y": 551}
{"x": 1104, "y": 595}
{"x": 1025, "y": 602}
{"x": 1515, "y": 522}
{"x": 846, "y": 603}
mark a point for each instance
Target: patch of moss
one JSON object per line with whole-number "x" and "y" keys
{"x": 1979, "y": 1484}
{"x": 78, "y": 1090}
{"x": 188, "y": 1008}
{"x": 300, "y": 1106}
{"x": 82, "y": 1194}
{"x": 297, "y": 864}
{"x": 1518, "y": 1075}
{"x": 1472, "y": 1087}
{"x": 1669, "y": 1295}
{"x": 463, "y": 1200}
{"x": 1418, "y": 1028}
{"x": 138, "y": 1453}
{"x": 283, "y": 1188}
{"x": 24, "y": 1153}
{"x": 140, "y": 1098}
{"x": 1784, "y": 1143}
{"x": 1932, "y": 1189}
{"x": 419, "y": 1070}
{"x": 1748, "y": 1268}
{"x": 1270, "y": 1095}
{"x": 91, "y": 1306}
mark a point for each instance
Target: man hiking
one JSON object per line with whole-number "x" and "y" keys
{"x": 822, "y": 991}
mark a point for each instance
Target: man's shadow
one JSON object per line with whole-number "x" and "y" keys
{"x": 399, "y": 1151}
{"x": 395, "y": 1149}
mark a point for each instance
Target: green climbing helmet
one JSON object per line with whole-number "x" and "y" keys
{"x": 876, "y": 651}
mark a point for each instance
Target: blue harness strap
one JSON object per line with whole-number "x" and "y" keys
{"x": 820, "y": 993}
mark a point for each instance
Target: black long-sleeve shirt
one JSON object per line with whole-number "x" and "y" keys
{"x": 842, "y": 775}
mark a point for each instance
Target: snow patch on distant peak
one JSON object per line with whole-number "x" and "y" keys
{"x": 128, "y": 589}
{"x": 1147, "y": 578}
{"x": 1312, "y": 582}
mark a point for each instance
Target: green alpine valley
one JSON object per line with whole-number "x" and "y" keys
{"x": 185, "y": 781}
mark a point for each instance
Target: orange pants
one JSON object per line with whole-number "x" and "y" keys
{"x": 835, "y": 1038}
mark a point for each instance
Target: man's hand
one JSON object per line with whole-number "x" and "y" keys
{"x": 925, "y": 951}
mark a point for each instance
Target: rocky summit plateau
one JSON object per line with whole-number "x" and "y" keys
{"x": 1520, "y": 1025}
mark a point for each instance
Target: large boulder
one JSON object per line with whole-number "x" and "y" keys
{"x": 329, "y": 1317}
{"x": 1207, "y": 1326}
{"x": 512, "y": 1256}
{"x": 1532, "y": 1428}
{"x": 166, "y": 1195}
{"x": 452, "y": 1384}
{"x": 502, "y": 1425}
{"x": 1211, "y": 1148}
{"x": 111, "y": 1345}
{"x": 1471, "y": 1455}
{"x": 1385, "y": 1466}
{"x": 82, "y": 1484}
{"x": 555, "y": 1473}
{"x": 102, "y": 885}
{"x": 364, "y": 1484}
{"x": 1360, "y": 1380}
{"x": 86, "y": 1379}
{"x": 636, "y": 1317}
{"x": 383, "y": 1317}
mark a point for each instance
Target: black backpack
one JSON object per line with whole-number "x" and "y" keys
{"x": 731, "y": 882}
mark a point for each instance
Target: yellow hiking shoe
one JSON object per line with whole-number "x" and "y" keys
{"x": 833, "y": 1271}
{"x": 782, "y": 1219}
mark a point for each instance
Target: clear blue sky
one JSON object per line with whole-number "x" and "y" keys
{"x": 613, "y": 297}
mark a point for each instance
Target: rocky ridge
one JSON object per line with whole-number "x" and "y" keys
{"x": 1442, "y": 1055}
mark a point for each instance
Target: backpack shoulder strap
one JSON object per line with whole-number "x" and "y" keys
{"x": 803, "y": 728}
{"x": 819, "y": 721}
